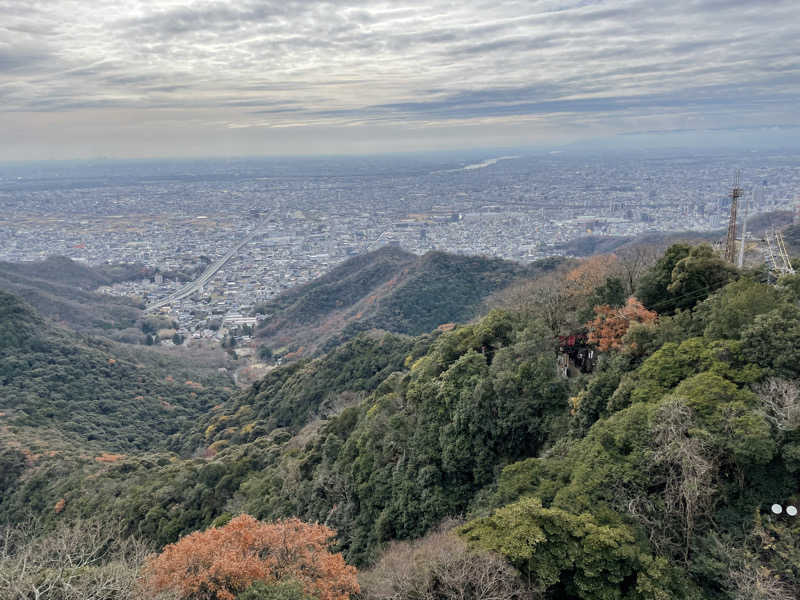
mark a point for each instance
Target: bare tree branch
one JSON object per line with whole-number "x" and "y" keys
{"x": 780, "y": 403}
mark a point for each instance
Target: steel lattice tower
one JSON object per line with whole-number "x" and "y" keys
{"x": 730, "y": 244}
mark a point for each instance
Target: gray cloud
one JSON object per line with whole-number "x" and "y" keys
{"x": 15, "y": 59}
{"x": 609, "y": 65}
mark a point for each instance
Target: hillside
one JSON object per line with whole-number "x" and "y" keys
{"x": 61, "y": 289}
{"x": 91, "y": 389}
{"x": 595, "y": 244}
{"x": 791, "y": 236}
{"x": 650, "y": 477}
{"x": 387, "y": 289}
{"x": 59, "y": 270}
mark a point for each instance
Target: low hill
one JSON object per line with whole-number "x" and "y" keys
{"x": 591, "y": 245}
{"x": 61, "y": 289}
{"x": 90, "y": 389}
{"x": 778, "y": 219}
{"x": 388, "y": 289}
{"x": 597, "y": 244}
{"x": 59, "y": 270}
{"x": 791, "y": 236}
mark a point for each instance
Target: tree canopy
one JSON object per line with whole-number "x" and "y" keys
{"x": 221, "y": 562}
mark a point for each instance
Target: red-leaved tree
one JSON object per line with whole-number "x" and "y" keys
{"x": 221, "y": 562}
{"x": 611, "y": 324}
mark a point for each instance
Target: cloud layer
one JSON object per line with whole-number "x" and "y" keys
{"x": 177, "y": 75}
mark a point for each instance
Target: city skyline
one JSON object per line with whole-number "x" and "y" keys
{"x": 218, "y": 78}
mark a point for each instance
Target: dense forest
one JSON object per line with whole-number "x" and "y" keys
{"x": 388, "y": 289}
{"x": 92, "y": 390}
{"x": 488, "y": 460}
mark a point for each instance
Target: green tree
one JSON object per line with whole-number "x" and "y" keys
{"x": 652, "y": 289}
{"x": 698, "y": 275}
{"x": 773, "y": 341}
{"x": 574, "y": 556}
{"x": 279, "y": 590}
{"x": 736, "y": 306}
{"x": 610, "y": 293}
{"x": 12, "y": 465}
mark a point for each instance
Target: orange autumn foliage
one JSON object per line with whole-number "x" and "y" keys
{"x": 221, "y": 562}
{"x": 591, "y": 273}
{"x": 107, "y": 457}
{"x": 611, "y": 324}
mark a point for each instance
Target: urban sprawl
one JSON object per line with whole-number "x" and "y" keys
{"x": 297, "y": 224}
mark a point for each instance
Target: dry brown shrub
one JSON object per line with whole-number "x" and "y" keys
{"x": 688, "y": 466}
{"x": 757, "y": 582}
{"x": 441, "y": 566}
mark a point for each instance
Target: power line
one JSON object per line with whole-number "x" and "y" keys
{"x": 681, "y": 296}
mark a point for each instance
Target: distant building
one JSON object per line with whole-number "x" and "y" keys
{"x": 236, "y": 320}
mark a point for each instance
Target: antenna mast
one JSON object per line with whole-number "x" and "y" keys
{"x": 740, "y": 263}
{"x": 730, "y": 244}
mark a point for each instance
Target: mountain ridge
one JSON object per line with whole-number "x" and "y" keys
{"x": 63, "y": 290}
{"x": 122, "y": 397}
{"x": 388, "y": 289}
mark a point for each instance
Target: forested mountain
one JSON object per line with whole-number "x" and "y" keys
{"x": 647, "y": 475}
{"x": 62, "y": 290}
{"x": 388, "y": 289}
{"x": 118, "y": 398}
{"x": 61, "y": 270}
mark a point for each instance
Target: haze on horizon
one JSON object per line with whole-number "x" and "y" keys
{"x": 157, "y": 78}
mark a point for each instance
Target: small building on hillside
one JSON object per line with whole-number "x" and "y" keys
{"x": 576, "y": 355}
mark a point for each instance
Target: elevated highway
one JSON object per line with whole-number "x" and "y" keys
{"x": 191, "y": 287}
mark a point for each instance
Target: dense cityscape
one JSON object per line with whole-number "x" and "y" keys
{"x": 297, "y": 219}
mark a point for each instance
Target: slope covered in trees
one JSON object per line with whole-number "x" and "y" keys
{"x": 90, "y": 389}
{"x": 388, "y": 289}
{"x": 651, "y": 477}
{"x": 62, "y": 290}
{"x": 60, "y": 270}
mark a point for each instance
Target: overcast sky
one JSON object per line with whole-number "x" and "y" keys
{"x": 87, "y": 78}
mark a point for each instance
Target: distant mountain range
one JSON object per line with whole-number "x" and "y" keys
{"x": 388, "y": 289}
